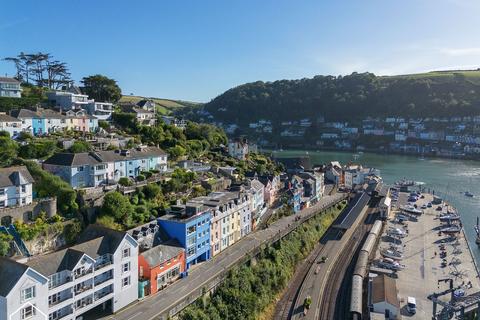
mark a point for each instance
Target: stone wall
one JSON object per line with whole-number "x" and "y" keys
{"x": 29, "y": 212}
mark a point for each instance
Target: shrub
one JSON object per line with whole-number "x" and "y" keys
{"x": 124, "y": 181}
{"x": 140, "y": 177}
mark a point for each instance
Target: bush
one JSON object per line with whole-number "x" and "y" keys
{"x": 124, "y": 181}
{"x": 140, "y": 177}
{"x": 5, "y": 241}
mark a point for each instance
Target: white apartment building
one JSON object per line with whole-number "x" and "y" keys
{"x": 102, "y": 270}
{"x": 15, "y": 187}
{"x": 238, "y": 149}
{"x": 10, "y": 87}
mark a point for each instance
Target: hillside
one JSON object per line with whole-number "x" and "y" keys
{"x": 351, "y": 98}
{"x": 164, "y": 106}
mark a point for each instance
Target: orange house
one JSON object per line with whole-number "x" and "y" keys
{"x": 160, "y": 266}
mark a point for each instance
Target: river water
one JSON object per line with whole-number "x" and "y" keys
{"x": 448, "y": 177}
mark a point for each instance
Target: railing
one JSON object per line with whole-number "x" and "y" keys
{"x": 67, "y": 280}
{"x": 103, "y": 264}
{"x": 60, "y": 301}
{"x": 83, "y": 304}
{"x": 83, "y": 289}
{"x": 84, "y": 273}
{"x": 100, "y": 295}
{"x": 110, "y": 277}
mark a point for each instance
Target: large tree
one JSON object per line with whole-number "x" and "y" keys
{"x": 41, "y": 68}
{"x": 102, "y": 88}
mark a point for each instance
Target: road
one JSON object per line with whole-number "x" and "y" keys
{"x": 323, "y": 280}
{"x": 183, "y": 292}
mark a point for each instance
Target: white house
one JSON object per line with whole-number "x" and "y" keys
{"x": 10, "y": 124}
{"x": 238, "y": 148}
{"x": 10, "y": 87}
{"x": 383, "y": 297}
{"x": 100, "y": 271}
{"x": 15, "y": 186}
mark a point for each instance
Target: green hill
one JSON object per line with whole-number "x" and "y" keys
{"x": 352, "y": 97}
{"x": 164, "y": 106}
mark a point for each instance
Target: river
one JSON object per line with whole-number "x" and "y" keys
{"x": 449, "y": 178}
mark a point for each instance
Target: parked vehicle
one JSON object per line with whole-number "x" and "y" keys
{"x": 412, "y": 305}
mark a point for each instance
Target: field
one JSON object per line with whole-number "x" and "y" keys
{"x": 472, "y": 75}
{"x": 164, "y": 106}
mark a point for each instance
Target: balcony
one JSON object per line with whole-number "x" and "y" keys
{"x": 103, "y": 264}
{"x": 82, "y": 289}
{"x": 68, "y": 297}
{"x": 83, "y": 303}
{"x": 52, "y": 286}
{"x": 103, "y": 293}
{"x": 83, "y": 273}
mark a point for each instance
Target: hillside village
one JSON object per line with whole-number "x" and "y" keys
{"x": 102, "y": 204}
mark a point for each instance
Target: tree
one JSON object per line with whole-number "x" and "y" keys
{"x": 9, "y": 151}
{"x": 5, "y": 240}
{"x": 80, "y": 146}
{"x": 102, "y": 88}
{"x": 117, "y": 205}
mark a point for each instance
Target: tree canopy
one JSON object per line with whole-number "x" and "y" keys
{"x": 101, "y": 88}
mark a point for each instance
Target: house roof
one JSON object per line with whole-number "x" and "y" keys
{"x": 257, "y": 185}
{"x": 95, "y": 241}
{"x": 10, "y": 273}
{"x": 92, "y": 158}
{"x": 162, "y": 252}
{"x": 15, "y": 176}
{"x": 143, "y": 102}
{"x": 9, "y": 80}
{"x": 384, "y": 289}
{"x": 40, "y": 113}
{"x": 7, "y": 118}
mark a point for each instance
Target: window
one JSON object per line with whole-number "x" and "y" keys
{"x": 54, "y": 298}
{"x": 2, "y": 204}
{"x": 28, "y": 294}
{"x": 27, "y": 312}
{"x": 80, "y": 169}
{"x": 126, "y": 253}
{"x": 126, "y": 281}
{"x": 190, "y": 251}
{"x": 24, "y": 201}
{"x": 126, "y": 267}
{"x": 2, "y": 192}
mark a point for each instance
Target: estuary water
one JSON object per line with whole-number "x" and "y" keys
{"x": 449, "y": 178}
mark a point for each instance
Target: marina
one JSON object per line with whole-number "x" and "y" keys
{"x": 430, "y": 258}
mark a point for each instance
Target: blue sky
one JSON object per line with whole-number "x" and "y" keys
{"x": 195, "y": 50}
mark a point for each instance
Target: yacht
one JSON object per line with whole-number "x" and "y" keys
{"x": 392, "y": 254}
{"x": 450, "y": 217}
{"x": 391, "y": 264}
{"x": 411, "y": 209}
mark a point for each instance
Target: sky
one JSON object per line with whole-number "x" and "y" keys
{"x": 196, "y": 49}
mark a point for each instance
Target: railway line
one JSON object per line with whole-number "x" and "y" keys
{"x": 323, "y": 281}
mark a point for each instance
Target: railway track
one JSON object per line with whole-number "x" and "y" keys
{"x": 329, "y": 295}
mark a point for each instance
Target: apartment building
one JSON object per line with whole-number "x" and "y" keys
{"x": 10, "y": 87}
{"x": 15, "y": 187}
{"x": 100, "y": 271}
{"x": 92, "y": 169}
{"x": 73, "y": 99}
{"x": 238, "y": 148}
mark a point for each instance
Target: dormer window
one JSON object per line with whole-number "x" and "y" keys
{"x": 27, "y": 294}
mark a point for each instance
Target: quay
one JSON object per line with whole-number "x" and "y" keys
{"x": 439, "y": 269}
{"x": 208, "y": 275}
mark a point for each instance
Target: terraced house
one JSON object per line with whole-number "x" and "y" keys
{"x": 93, "y": 169}
{"x": 231, "y": 217}
{"x": 10, "y": 124}
{"x": 100, "y": 271}
{"x": 15, "y": 186}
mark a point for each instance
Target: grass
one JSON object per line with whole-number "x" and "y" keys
{"x": 164, "y": 106}
{"x": 448, "y": 75}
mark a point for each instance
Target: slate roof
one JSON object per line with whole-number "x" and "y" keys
{"x": 10, "y": 273}
{"x": 43, "y": 113}
{"x": 84, "y": 158}
{"x": 7, "y": 118}
{"x": 15, "y": 176}
{"x": 162, "y": 252}
{"x": 9, "y": 80}
{"x": 95, "y": 241}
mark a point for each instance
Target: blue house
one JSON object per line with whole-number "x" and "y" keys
{"x": 295, "y": 192}
{"x": 190, "y": 225}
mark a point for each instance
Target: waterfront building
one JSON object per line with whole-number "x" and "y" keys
{"x": 295, "y": 191}
{"x": 93, "y": 169}
{"x": 190, "y": 225}
{"x": 10, "y": 124}
{"x": 383, "y": 297}
{"x": 314, "y": 186}
{"x": 15, "y": 187}
{"x": 100, "y": 271}
{"x": 10, "y": 87}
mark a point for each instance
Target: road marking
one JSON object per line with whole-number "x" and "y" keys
{"x": 135, "y": 315}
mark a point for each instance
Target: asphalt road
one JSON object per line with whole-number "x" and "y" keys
{"x": 157, "y": 305}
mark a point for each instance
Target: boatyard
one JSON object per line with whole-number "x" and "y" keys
{"x": 424, "y": 256}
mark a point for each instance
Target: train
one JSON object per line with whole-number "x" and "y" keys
{"x": 361, "y": 270}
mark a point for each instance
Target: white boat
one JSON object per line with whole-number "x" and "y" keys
{"x": 391, "y": 264}
{"x": 392, "y": 254}
{"x": 449, "y": 217}
{"x": 451, "y": 229}
{"x": 396, "y": 232}
{"x": 411, "y": 209}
